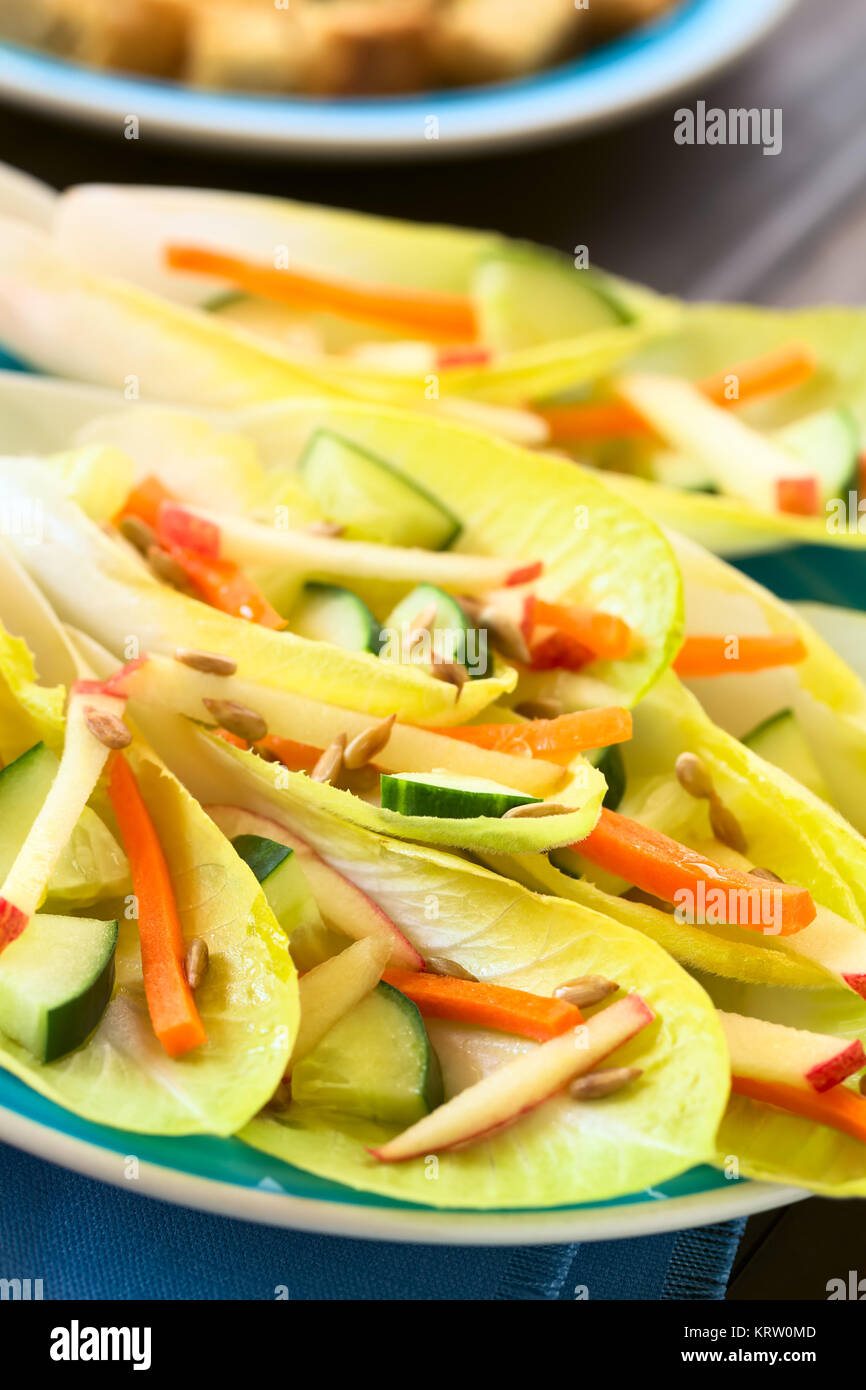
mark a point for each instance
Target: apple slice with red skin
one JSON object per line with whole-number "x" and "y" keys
{"x": 522, "y": 1085}
{"x": 221, "y": 536}
{"x": 339, "y": 900}
{"x": 80, "y": 768}
{"x": 779, "y": 1056}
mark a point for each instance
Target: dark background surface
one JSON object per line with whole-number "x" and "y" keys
{"x": 724, "y": 222}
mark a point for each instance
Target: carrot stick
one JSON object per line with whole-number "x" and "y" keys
{"x": 728, "y": 654}
{"x": 839, "y": 1108}
{"x": 779, "y": 370}
{"x": 558, "y": 740}
{"x": 489, "y": 1006}
{"x": 682, "y": 876}
{"x": 424, "y": 313}
{"x": 144, "y": 501}
{"x": 223, "y": 585}
{"x": 605, "y": 635}
{"x": 170, "y": 1002}
{"x": 297, "y": 757}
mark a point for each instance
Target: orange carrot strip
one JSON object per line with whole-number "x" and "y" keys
{"x": 297, "y": 757}
{"x": 490, "y": 1006}
{"x": 727, "y": 654}
{"x": 170, "y": 1002}
{"x": 839, "y": 1108}
{"x": 223, "y": 585}
{"x": 606, "y": 636}
{"x": 144, "y": 501}
{"x": 558, "y": 740}
{"x": 234, "y": 739}
{"x": 427, "y": 313}
{"x": 679, "y": 875}
{"x": 779, "y": 370}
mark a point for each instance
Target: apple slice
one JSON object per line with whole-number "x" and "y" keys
{"x": 158, "y": 680}
{"x": 84, "y": 757}
{"x": 521, "y": 1085}
{"x": 776, "y": 1055}
{"x": 331, "y": 989}
{"x": 835, "y": 944}
{"x": 340, "y": 902}
{"x": 251, "y": 543}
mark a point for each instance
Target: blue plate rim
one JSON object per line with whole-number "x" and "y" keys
{"x": 695, "y": 40}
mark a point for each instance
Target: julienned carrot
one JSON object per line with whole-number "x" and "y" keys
{"x": 839, "y": 1108}
{"x": 729, "y": 654}
{"x": 779, "y": 370}
{"x": 297, "y": 757}
{"x": 224, "y": 585}
{"x": 558, "y": 740}
{"x": 699, "y": 887}
{"x": 489, "y": 1006}
{"x": 606, "y": 636}
{"x": 144, "y": 501}
{"x": 430, "y": 314}
{"x": 170, "y": 1002}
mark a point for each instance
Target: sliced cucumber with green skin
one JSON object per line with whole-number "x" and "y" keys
{"x": 91, "y": 866}
{"x": 278, "y": 871}
{"x": 56, "y": 980}
{"x": 376, "y": 1063}
{"x": 612, "y": 769}
{"x": 829, "y": 442}
{"x": 451, "y": 636}
{"x": 568, "y": 862}
{"x": 329, "y": 613}
{"x": 451, "y": 798}
{"x": 780, "y": 741}
{"x": 525, "y": 296}
{"x": 372, "y": 498}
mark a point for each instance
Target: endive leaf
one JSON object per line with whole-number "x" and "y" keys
{"x": 247, "y": 1001}
{"x": 499, "y": 932}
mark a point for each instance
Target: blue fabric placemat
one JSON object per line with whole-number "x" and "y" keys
{"x": 85, "y": 1240}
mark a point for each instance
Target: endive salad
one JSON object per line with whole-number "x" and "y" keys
{"x": 523, "y": 903}
{"x": 741, "y": 427}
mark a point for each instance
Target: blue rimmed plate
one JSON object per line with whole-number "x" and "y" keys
{"x": 696, "y": 39}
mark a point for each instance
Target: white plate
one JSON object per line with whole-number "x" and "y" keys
{"x": 696, "y": 39}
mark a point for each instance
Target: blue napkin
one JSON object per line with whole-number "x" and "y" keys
{"x": 85, "y": 1240}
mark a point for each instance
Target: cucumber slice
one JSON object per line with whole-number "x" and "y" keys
{"x": 452, "y": 637}
{"x": 828, "y": 442}
{"x": 525, "y": 296}
{"x": 780, "y": 741}
{"x": 372, "y": 499}
{"x": 612, "y": 769}
{"x": 376, "y": 1062}
{"x": 454, "y": 798}
{"x": 56, "y": 980}
{"x": 328, "y": 613}
{"x": 278, "y": 871}
{"x": 573, "y": 865}
{"x": 92, "y": 864}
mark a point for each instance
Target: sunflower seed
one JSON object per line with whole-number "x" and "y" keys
{"x": 109, "y": 729}
{"x": 725, "y": 826}
{"x": 538, "y": 808}
{"x": 693, "y": 776}
{"x": 602, "y": 1083}
{"x": 138, "y": 533}
{"x": 421, "y": 623}
{"x": 212, "y": 663}
{"x": 330, "y": 764}
{"x": 368, "y": 743}
{"x": 585, "y": 990}
{"x": 238, "y": 719}
{"x": 452, "y": 672}
{"x": 767, "y": 874}
{"x": 862, "y": 1085}
{"x": 325, "y": 528}
{"x": 505, "y": 635}
{"x": 196, "y": 962}
{"x": 166, "y": 567}
{"x": 539, "y": 709}
{"x": 440, "y": 965}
